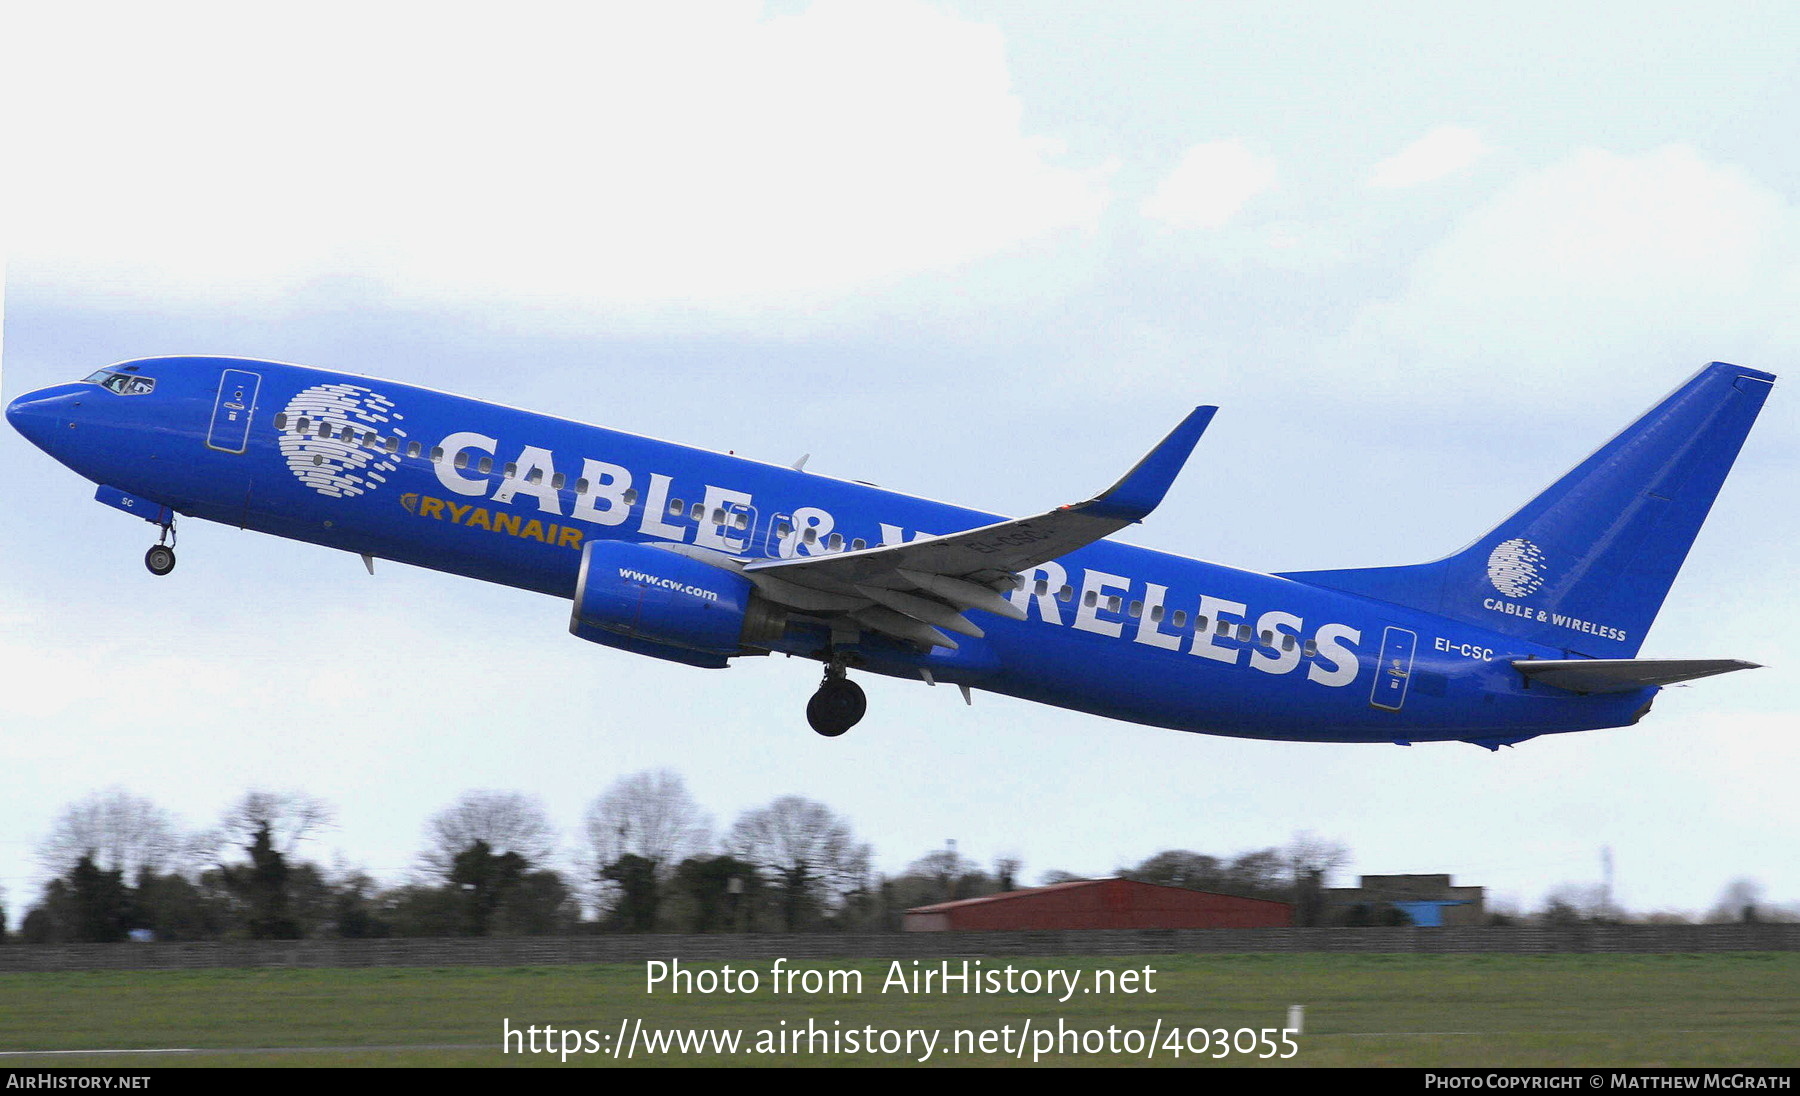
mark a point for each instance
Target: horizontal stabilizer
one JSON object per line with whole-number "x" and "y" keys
{"x": 1622, "y": 675}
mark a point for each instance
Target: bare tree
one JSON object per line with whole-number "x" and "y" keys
{"x": 1310, "y": 856}
{"x": 1179, "y": 868}
{"x": 1573, "y": 903}
{"x": 647, "y": 814}
{"x": 1006, "y": 872}
{"x": 1741, "y": 900}
{"x": 290, "y": 817}
{"x": 120, "y": 831}
{"x": 814, "y": 858}
{"x": 504, "y": 821}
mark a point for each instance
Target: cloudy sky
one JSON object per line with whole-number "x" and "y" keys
{"x": 1425, "y": 260}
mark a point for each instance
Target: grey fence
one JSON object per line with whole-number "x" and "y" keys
{"x": 546, "y": 951}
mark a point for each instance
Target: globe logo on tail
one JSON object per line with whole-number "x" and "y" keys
{"x": 1516, "y": 567}
{"x": 341, "y": 439}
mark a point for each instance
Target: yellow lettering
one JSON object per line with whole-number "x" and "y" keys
{"x": 506, "y": 523}
{"x": 534, "y": 530}
{"x": 571, "y": 538}
{"x": 457, "y": 512}
{"x": 478, "y": 520}
{"x": 431, "y": 508}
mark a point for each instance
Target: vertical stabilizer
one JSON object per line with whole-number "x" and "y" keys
{"x": 1586, "y": 565}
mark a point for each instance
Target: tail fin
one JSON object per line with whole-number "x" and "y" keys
{"x": 1586, "y": 565}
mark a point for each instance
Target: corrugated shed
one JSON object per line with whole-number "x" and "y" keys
{"x": 1100, "y": 904}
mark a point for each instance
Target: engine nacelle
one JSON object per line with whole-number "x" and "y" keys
{"x": 655, "y": 602}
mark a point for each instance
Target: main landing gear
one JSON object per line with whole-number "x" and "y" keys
{"x": 161, "y": 557}
{"x": 838, "y": 704}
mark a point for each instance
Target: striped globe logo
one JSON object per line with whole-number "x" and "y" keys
{"x": 341, "y": 439}
{"x": 1516, "y": 567}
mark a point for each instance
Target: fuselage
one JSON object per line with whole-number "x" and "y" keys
{"x": 406, "y": 473}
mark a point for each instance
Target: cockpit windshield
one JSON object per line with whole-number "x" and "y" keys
{"x": 125, "y": 384}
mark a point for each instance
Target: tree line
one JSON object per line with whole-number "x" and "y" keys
{"x": 120, "y": 868}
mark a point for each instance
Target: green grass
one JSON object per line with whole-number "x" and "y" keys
{"x": 1726, "y": 1010}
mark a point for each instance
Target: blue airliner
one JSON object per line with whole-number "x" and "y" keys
{"x": 699, "y": 557}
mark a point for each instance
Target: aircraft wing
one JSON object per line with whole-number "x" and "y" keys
{"x": 915, "y": 591}
{"x": 1622, "y": 675}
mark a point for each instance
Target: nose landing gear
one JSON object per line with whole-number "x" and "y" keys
{"x": 838, "y": 704}
{"x": 161, "y": 557}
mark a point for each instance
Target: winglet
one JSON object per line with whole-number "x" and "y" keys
{"x": 1144, "y": 486}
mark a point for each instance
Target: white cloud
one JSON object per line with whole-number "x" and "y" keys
{"x": 1210, "y": 185}
{"x": 1662, "y": 260}
{"x": 1444, "y": 151}
{"x": 600, "y": 156}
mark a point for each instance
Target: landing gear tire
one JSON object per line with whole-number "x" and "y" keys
{"x": 836, "y": 707}
{"x": 160, "y": 559}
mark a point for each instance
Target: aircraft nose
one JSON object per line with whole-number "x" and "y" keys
{"x": 36, "y": 415}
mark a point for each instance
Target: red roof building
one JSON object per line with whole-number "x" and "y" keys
{"x": 1099, "y": 904}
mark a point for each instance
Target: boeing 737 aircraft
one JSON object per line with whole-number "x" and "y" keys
{"x": 698, "y": 557}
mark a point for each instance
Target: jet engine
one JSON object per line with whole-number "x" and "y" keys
{"x": 655, "y": 602}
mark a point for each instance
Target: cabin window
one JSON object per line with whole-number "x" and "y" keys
{"x": 1090, "y": 599}
{"x": 462, "y": 460}
{"x": 536, "y": 475}
{"x": 1180, "y": 620}
{"x": 1200, "y": 622}
{"x": 1287, "y": 641}
{"x": 318, "y": 459}
{"x": 1312, "y": 649}
{"x": 1243, "y": 633}
{"x": 487, "y": 465}
{"x": 631, "y": 496}
{"x": 393, "y": 445}
{"x": 1066, "y": 594}
{"x": 557, "y": 481}
{"x": 512, "y": 469}
{"x": 304, "y": 425}
{"x": 698, "y": 511}
{"x": 1224, "y": 627}
{"x": 740, "y": 520}
{"x": 1114, "y": 603}
{"x": 783, "y": 527}
{"x": 811, "y": 536}
{"x": 413, "y": 449}
{"x": 1137, "y": 609}
{"x": 281, "y": 421}
{"x": 1156, "y": 613}
{"x": 437, "y": 454}
{"x": 1268, "y": 639}
{"x": 858, "y": 544}
{"x": 581, "y": 486}
{"x": 1043, "y": 587}
{"x": 835, "y": 542}
{"x": 676, "y": 508}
